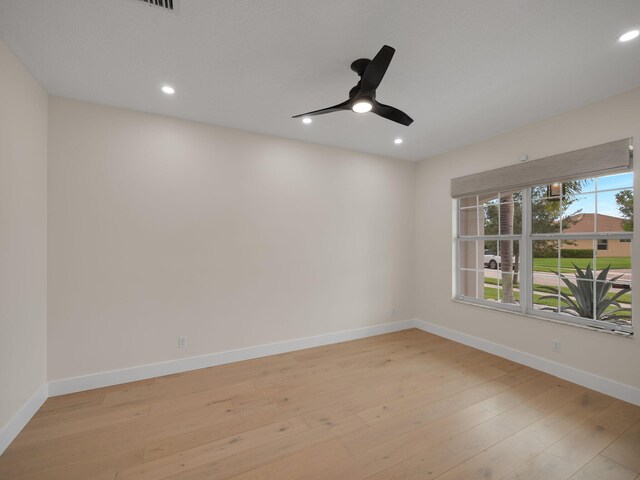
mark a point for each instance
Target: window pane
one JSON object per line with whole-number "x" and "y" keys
{"x": 613, "y": 282}
{"x": 508, "y": 251}
{"x": 615, "y": 305}
{"x": 576, "y": 294}
{"x": 579, "y": 214}
{"x": 588, "y": 185}
{"x": 490, "y": 248}
{"x": 487, "y": 198}
{"x": 481, "y": 290}
{"x": 508, "y": 289}
{"x": 545, "y": 215}
{"x": 616, "y": 260}
{"x": 510, "y": 216}
{"x": 468, "y": 281}
{"x": 545, "y": 256}
{"x": 501, "y": 271}
{"x": 490, "y": 218}
{"x": 615, "y": 211}
{"x": 577, "y": 279}
{"x": 546, "y": 281}
{"x": 468, "y": 251}
{"x": 616, "y": 182}
{"x": 539, "y": 192}
{"x": 517, "y": 215}
{"x": 491, "y": 280}
{"x": 578, "y": 252}
{"x": 469, "y": 221}
{"x": 469, "y": 201}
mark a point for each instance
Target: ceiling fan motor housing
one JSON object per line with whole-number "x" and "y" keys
{"x": 360, "y": 65}
{"x": 362, "y": 97}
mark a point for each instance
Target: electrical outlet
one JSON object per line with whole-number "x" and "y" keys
{"x": 182, "y": 342}
{"x": 555, "y": 345}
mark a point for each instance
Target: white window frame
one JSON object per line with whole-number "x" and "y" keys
{"x": 525, "y": 273}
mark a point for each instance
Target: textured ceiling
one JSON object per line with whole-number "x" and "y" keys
{"x": 464, "y": 69}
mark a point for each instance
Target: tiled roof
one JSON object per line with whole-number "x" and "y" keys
{"x": 584, "y": 222}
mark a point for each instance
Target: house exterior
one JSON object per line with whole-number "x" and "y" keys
{"x": 585, "y": 223}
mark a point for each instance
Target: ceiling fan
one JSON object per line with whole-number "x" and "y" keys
{"x": 362, "y": 97}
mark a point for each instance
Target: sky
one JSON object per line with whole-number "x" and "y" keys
{"x": 603, "y": 190}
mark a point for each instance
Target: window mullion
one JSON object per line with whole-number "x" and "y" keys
{"x": 561, "y": 203}
{"x": 595, "y": 264}
{"x": 526, "y": 262}
{"x": 582, "y": 236}
{"x": 488, "y": 238}
{"x": 458, "y": 290}
{"x": 595, "y": 205}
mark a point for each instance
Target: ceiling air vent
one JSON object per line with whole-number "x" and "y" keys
{"x": 164, "y": 4}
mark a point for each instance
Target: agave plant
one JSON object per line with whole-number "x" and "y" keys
{"x": 581, "y": 301}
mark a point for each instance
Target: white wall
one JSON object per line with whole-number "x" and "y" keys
{"x": 23, "y": 237}
{"x": 161, "y": 227}
{"x": 614, "y": 357}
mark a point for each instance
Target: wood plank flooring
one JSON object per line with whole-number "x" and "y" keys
{"x": 406, "y": 405}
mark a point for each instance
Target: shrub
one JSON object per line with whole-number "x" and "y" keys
{"x": 581, "y": 300}
{"x": 565, "y": 253}
{"x": 577, "y": 253}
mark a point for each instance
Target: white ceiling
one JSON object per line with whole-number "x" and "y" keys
{"x": 464, "y": 69}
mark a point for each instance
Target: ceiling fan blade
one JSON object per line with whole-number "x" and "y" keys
{"x": 391, "y": 113}
{"x": 376, "y": 69}
{"x": 336, "y": 108}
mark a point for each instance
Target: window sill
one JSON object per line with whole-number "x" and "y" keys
{"x": 519, "y": 313}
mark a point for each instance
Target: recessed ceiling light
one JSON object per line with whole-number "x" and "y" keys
{"x": 168, "y": 89}
{"x": 363, "y": 106}
{"x": 306, "y": 120}
{"x": 629, "y": 36}
{"x": 397, "y": 141}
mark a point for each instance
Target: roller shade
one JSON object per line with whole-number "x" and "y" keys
{"x": 583, "y": 163}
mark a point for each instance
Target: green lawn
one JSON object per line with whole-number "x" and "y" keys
{"x": 491, "y": 293}
{"x": 566, "y": 264}
{"x": 626, "y": 298}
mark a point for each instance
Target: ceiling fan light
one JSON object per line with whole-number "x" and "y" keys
{"x": 362, "y": 106}
{"x": 625, "y": 37}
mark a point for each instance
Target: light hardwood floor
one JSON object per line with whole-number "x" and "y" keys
{"x": 407, "y": 405}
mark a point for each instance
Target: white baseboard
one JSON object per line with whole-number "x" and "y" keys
{"x": 115, "y": 377}
{"x": 586, "y": 379}
{"x": 104, "y": 379}
{"x": 11, "y": 430}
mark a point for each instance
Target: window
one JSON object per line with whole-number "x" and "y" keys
{"x": 489, "y": 253}
{"x": 559, "y": 250}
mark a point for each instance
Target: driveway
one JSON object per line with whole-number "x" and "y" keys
{"x": 549, "y": 279}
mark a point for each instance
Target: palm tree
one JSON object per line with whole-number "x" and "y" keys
{"x": 506, "y": 248}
